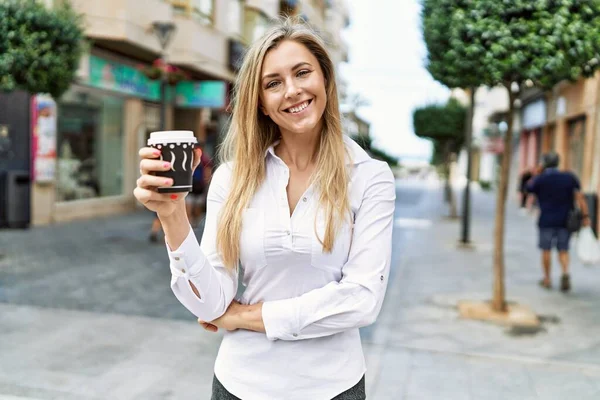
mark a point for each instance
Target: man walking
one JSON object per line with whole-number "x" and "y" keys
{"x": 556, "y": 192}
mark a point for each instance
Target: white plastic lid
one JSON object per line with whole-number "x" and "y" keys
{"x": 162, "y": 137}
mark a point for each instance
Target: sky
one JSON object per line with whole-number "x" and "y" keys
{"x": 387, "y": 67}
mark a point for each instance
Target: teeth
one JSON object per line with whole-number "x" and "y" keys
{"x": 299, "y": 108}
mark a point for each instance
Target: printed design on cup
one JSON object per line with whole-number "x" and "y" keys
{"x": 176, "y": 148}
{"x": 173, "y": 159}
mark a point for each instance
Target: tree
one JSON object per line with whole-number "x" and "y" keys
{"x": 445, "y": 126}
{"x": 40, "y": 48}
{"x": 507, "y": 43}
{"x": 366, "y": 142}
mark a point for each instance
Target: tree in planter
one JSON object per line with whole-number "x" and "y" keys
{"x": 507, "y": 43}
{"x": 40, "y": 47}
{"x": 445, "y": 126}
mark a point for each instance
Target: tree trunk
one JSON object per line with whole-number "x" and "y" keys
{"x": 449, "y": 193}
{"x": 466, "y": 212}
{"x": 499, "y": 301}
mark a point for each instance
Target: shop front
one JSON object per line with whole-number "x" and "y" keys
{"x": 200, "y": 107}
{"x": 531, "y": 140}
{"x": 94, "y": 133}
{"x": 571, "y": 127}
{"x": 92, "y": 169}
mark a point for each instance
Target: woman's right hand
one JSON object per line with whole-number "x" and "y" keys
{"x": 164, "y": 204}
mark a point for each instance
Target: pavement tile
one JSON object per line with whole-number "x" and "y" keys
{"x": 86, "y": 313}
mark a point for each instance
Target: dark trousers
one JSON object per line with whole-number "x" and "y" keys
{"x": 524, "y": 195}
{"x": 356, "y": 392}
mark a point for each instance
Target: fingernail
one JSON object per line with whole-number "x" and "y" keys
{"x": 174, "y": 197}
{"x": 167, "y": 182}
{"x": 166, "y": 165}
{"x": 156, "y": 152}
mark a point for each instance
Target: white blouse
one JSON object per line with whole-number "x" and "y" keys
{"x": 314, "y": 302}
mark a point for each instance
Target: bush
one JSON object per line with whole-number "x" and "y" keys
{"x": 40, "y": 48}
{"x": 485, "y": 185}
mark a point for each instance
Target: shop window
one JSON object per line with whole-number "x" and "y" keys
{"x": 255, "y": 24}
{"x": 90, "y": 145}
{"x": 201, "y": 10}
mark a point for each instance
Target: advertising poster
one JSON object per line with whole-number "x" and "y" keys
{"x": 44, "y": 138}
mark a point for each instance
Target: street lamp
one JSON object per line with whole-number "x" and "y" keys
{"x": 164, "y": 31}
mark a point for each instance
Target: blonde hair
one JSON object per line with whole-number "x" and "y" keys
{"x": 251, "y": 133}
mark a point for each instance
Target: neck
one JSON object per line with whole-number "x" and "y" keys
{"x": 298, "y": 150}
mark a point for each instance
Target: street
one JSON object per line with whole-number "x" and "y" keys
{"x": 86, "y": 312}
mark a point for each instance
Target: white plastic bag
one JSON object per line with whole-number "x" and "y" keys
{"x": 588, "y": 249}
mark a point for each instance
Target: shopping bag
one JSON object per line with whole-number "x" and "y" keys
{"x": 588, "y": 249}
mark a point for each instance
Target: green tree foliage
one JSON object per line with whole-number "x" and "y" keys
{"x": 509, "y": 42}
{"x": 366, "y": 142}
{"x": 40, "y": 48}
{"x": 490, "y": 42}
{"x": 444, "y": 124}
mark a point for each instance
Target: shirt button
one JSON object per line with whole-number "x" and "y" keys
{"x": 295, "y": 335}
{"x": 287, "y": 232}
{"x": 176, "y": 258}
{"x": 304, "y": 199}
{"x": 381, "y": 277}
{"x": 183, "y": 270}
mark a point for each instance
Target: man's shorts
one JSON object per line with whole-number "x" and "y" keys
{"x": 554, "y": 237}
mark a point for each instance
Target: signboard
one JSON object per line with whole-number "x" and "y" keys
{"x": 210, "y": 94}
{"x": 110, "y": 75}
{"x": 43, "y": 120}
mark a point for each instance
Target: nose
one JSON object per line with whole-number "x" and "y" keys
{"x": 292, "y": 91}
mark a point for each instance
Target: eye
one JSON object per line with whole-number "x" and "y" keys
{"x": 272, "y": 84}
{"x": 303, "y": 72}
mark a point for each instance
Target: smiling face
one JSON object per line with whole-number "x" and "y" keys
{"x": 293, "y": 88}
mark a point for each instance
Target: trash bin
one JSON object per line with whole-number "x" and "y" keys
{"x": 592, "y": 203}
{"x": 18, "y": 199}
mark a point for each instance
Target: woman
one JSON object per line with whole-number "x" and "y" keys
{"x": 306, "y": 213}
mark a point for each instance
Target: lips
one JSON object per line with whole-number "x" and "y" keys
{"x": 299, "y": 107}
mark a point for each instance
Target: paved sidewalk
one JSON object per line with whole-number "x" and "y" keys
{"x": 428, "y": 352}
{"x": 69, "y": 328}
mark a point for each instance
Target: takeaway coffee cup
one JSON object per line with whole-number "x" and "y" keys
{"x": 177, "y": 148}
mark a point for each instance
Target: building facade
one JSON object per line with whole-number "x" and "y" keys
{"x": 85, "y": 144}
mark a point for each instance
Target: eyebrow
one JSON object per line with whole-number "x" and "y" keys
{"x": 273, "y": 75}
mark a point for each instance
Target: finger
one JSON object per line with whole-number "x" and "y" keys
{"x": 145, "y": 196}
{"x": 147, "y": 166}
{"x": 197, "y": 156}
{"x": 149, "y": 152}
{"x": 147, "y": 181}
{"x": 208, "y": 326}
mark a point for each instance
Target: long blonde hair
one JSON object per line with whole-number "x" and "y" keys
{"x": 251, "y": 133}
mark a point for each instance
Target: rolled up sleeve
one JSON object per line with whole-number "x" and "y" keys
{"x": 355, "y": 301}
{"x": 201, "y": 265}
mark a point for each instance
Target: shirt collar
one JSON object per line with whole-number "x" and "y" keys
{"x": 550, "y": 170}
{"x": 357, "y": 154}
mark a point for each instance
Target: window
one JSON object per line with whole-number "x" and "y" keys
{"x": 576, "y": 132}
{"x": 255, "y": 24}
{"x": 235, "y": 17}
{"x": 201, "y": 10}
{"x": 90, "y": 145}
